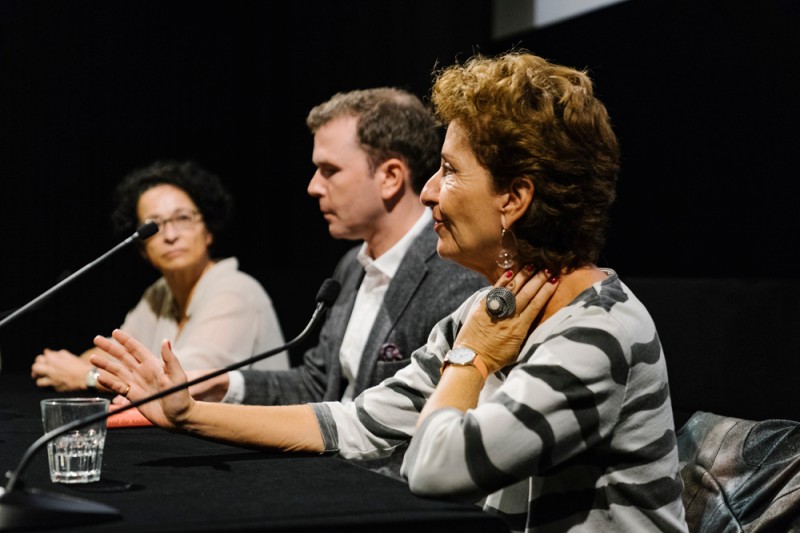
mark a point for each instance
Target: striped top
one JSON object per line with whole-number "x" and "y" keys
{"x": 576, "y": 436}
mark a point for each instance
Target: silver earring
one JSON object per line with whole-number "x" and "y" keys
{"x": 507, "y": 255}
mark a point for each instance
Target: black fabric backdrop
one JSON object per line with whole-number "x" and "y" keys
{"x": 703, "y": 95}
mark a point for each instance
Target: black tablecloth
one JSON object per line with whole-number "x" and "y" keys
{"x": 161, "y": 481}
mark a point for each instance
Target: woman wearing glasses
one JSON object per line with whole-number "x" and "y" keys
{"x": 213, "y": 314}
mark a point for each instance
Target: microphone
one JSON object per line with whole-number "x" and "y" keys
{"x": 143, "y": 232}
{"x": 27, "y": 509}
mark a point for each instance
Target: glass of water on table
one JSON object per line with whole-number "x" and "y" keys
{"x": 75, "y": 456}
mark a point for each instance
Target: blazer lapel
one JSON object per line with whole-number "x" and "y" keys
{"x": 408, "y": 278}
{"x": 336, "y": 324}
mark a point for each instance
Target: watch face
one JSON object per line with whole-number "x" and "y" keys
{"x": 460, "y": 356}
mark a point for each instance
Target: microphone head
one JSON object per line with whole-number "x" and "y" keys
{"x": 328, "y": 292}
{"x": 146, "y": 230}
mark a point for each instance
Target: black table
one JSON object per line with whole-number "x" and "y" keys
{"x": 161, "y": 481}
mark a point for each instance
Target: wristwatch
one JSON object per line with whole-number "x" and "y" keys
{"x": 91, "y": 378}
{"x": 464, "y": 356}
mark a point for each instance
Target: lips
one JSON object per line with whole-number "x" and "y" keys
{"x": 172, "y": 254}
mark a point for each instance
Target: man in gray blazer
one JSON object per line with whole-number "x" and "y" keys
{"x": 374, "y": 150}
{"x": 423, "y": 291}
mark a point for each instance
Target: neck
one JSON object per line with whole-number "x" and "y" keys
{"x": 569, "y": 286}
{"x": 183, "y": 283}
{"x": 393, "y": 227}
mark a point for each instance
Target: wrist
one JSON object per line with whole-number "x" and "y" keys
{"x": 463, "y": 356}
{"x": 186, "y": 419}
{"x": 479, "y": 364}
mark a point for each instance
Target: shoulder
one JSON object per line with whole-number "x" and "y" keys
{"x": 621, "y": 306}
{"x": 157, "y": 292}
{"x": 451, "y": 276}
{"x": 607, "y": 316}
{"x": 225, "y": 277}
{"x": 424, "y": 244}
{"x": 348, "y": 264}
{"x": 455, "y": 272}
{"x": 349, "y": 257}
{"x": 424, "y": 249}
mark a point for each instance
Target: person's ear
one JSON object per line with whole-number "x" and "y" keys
{"x": 392, "y": 173}
{"x": 517, "y": 201}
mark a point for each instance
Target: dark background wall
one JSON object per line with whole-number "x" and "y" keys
{"x": 703, "y": 95}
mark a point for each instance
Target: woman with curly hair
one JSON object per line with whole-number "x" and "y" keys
{"x": 213, "y": 313}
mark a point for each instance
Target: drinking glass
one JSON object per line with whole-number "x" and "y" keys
{"x": 76, "y": 456}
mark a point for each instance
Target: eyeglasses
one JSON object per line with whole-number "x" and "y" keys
{"x": 181, "y": 221}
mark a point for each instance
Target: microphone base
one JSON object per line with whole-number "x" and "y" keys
{"x": 34, "y": 509}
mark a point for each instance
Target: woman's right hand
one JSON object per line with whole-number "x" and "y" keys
{"x": 497, "y": 341}
{"x": 136, "y": 373}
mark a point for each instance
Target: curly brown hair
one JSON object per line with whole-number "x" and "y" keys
{"x": 526, "y": 117}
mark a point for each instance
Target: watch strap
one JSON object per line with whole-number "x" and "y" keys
{"x": 481, "y": 366}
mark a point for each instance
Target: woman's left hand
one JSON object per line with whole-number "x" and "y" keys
{"x": 497, "y": 341}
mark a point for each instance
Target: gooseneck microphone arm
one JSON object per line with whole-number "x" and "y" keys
{"x": 325, "y": 297}
{"x": 143, "y": 232}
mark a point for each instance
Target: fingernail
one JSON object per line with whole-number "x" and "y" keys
{"x": 553, "y": 280}
{"x": 529, "y": 267}
{"x": 169, "y": 343}
{"x": 509, "y": 273}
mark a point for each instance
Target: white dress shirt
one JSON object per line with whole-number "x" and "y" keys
{"x": 378, "y": 274}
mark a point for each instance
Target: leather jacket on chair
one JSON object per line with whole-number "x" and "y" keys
{"x": 740, "y": 475}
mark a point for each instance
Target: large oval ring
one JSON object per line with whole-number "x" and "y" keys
{"x": 500, "y": 302}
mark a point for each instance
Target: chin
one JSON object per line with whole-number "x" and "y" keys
{"x": 446, "y": 251}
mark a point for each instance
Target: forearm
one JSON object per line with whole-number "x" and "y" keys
{"x": 287, "y": 428}
{"x": 459, "y": 388}
{"x": 440, "y": 444}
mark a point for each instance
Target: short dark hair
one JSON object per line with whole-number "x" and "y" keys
{"x": 204, "y": 188}
{"x": 391, "y": 123}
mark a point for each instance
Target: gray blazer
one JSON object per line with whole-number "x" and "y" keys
{"x": 425, "y": 289}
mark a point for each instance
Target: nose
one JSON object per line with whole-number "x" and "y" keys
{"x": 315, "y": 187}
{"x": 168, "y": 231}
{"x": 430, "y": 192}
